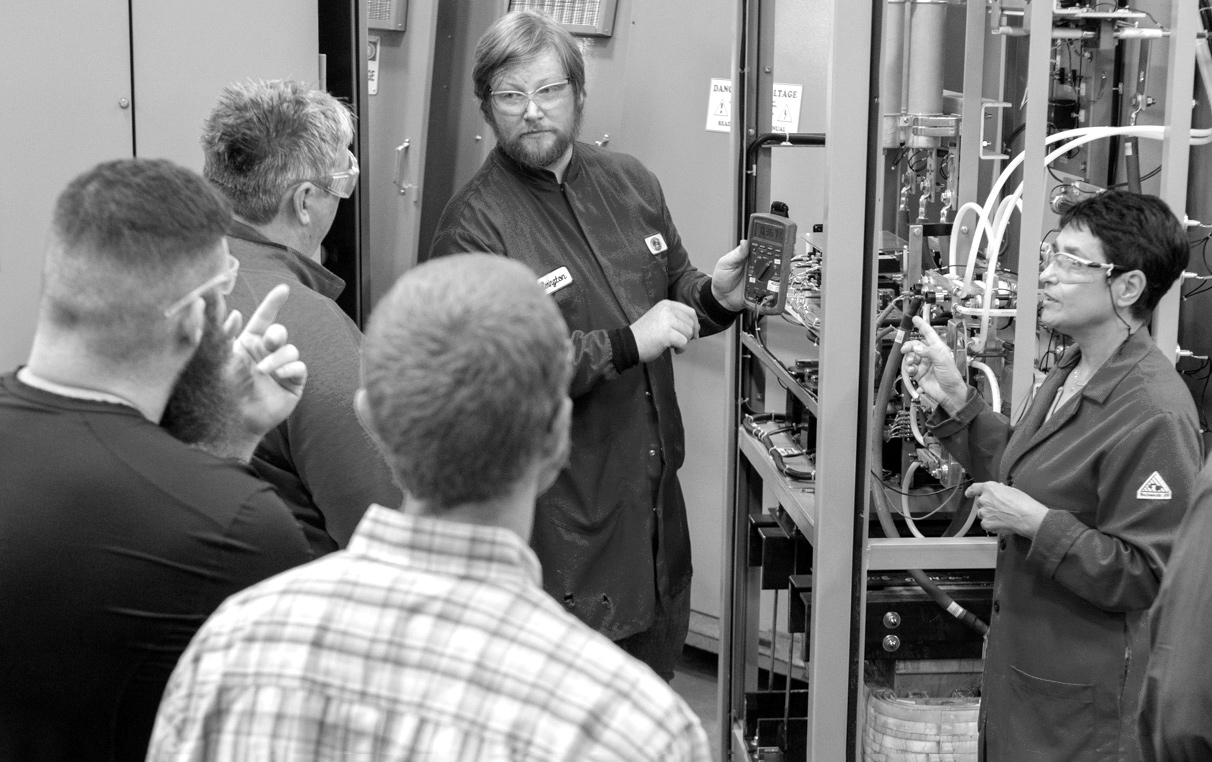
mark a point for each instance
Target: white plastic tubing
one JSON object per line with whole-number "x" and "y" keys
{"x": 994, "y": 227}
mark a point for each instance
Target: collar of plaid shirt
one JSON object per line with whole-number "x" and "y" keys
{"x": 447, "y": 548}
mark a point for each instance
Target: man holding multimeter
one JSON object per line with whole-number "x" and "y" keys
{"x": 611, "y": 533}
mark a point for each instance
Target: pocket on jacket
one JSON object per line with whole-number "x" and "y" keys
{"x": 598, "y": 485}
{"x": 1049, "y": 716}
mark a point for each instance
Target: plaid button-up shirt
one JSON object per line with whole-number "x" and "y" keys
{"x": 424, "y": 640}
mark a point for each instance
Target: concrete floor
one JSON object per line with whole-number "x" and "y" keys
{"x": 695, "y": 680}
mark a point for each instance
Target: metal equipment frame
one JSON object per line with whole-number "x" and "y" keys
{"x": 834, "y": 516}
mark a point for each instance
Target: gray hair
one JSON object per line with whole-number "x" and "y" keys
{"x": 264, "y": 137}
{"x": 128, "y": 238}
{"x": 465, "y": 364}
{"x": 519, "y": 37}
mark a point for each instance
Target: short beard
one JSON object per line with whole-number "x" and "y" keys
{"x": 518, "y": 150}
{"x": 201, "y": 408}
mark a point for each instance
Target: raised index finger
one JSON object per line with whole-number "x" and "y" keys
{"x": 928, "y": 333}
{"x": 267, "y": 311}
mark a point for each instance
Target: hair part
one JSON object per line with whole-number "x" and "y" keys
{"x": 127, "y": 238}
{"x": 519, "y": 37}
{"x": 264, "y": 137}
{"x": 466, "y": 363}
{"x": 1138, "y": 232}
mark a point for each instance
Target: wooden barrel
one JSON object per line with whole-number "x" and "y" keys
{"x": 919, "y": 730}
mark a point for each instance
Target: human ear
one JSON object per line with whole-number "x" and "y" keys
{"x": 300, "y": 201}
{"x": 188, "y": 325}
{"x": 1129, "y": 288}
{"x": 555, "y": 451}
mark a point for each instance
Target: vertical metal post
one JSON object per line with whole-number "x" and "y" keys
{"x": 1176, "y": 150}
{"x": 971, "y": 114}
{"x": 847, "y": 153}
{"x": 1034, "y": 199}
{"x": 737, "y": 668}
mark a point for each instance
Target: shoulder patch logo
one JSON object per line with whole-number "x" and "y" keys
{"x": 656, "y": 243}
{"x": 556, "y": 279}
{"x": 1154, "y": 488}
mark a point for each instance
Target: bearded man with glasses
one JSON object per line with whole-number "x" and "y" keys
{"x": 279, "y": 151}
{"x": 117, "y": 540}
{"x": 612, "y": 532}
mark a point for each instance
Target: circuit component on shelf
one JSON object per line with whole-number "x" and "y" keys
{"x": 781, "y": 452}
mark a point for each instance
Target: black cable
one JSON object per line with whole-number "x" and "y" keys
{"x": 882, "y": 509}
{"x": 1152, "y": 173}
{"x": 961, "y": 485}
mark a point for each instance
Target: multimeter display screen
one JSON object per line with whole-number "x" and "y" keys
{"x": 769, "y": 232}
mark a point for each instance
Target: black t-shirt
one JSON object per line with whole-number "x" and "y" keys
{"x": 116, "y": 543}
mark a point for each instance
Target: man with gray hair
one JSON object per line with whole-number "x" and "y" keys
{"x": 430, "y": 637}
{"x": 612, "y": 532}
{"x": 118, "y": 538}
{"x": 279, "y": 151}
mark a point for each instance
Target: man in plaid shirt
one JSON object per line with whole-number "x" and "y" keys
{"x": 430, "y": 637}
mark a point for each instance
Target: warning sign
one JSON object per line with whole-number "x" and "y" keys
{"x": 786, "y": 108}
{"x": 719, "y": 106}
{"x": 1154, "y": 488}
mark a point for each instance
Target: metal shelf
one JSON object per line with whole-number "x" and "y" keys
{"x": 797, "y": 498}
{"x": 931, "y": 553}
{"x": 769, "y": 361}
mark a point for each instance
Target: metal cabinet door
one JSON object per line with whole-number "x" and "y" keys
{"x": 399, "y": 126}
{"x": 66, "y": 79}
{"x": 185, "y": 53}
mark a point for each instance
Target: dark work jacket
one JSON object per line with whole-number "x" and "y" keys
{"x": 322, "y": 462}
{"x": 1176, "y": 710}
{"x": 1068, "y": 642}
{"x": 605, "y": 246}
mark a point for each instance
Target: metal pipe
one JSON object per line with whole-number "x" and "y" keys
{"x": 892, "y": 72}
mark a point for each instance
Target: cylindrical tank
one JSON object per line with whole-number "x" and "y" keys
{"x": 926, "y": 47}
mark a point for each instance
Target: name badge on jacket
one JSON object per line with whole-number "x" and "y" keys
{"x": 656, "y": 243}
{"x": 556, "y": 280}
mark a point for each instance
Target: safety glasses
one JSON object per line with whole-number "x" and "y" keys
{"x": 224, "y": 282}
{"x": 342, "y": 184}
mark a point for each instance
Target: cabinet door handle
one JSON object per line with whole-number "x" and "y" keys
{"x": 401, "y": 155}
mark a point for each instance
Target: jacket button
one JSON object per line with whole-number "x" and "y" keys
{"x": 647, "y": 394}
{"x": 652, "y": 453}
{"x": 997, "y": 607}
{"x": 1001, "y": 544}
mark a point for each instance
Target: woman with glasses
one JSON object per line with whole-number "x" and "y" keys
{"x": 1084, "y": 492}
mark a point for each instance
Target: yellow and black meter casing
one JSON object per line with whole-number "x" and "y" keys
{"x": 768, "y": 267}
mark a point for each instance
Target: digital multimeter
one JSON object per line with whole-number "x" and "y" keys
{"x": 771, "y": 247}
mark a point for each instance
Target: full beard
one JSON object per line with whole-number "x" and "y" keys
{"x": 527, "y": 154}
{"x": 201, "y": 408}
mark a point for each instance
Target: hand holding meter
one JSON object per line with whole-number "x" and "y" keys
{"x": 771, "y": 247}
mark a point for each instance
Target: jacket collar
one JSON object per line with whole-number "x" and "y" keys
{"x": 538, "y": 177}
{"x": 1035, "y": 427}
{"x": 309, "y": 272}
{"x": 1118, "y": 365}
